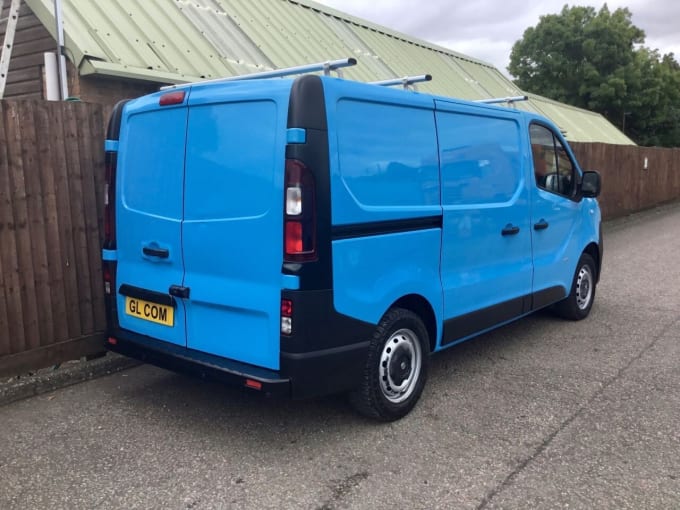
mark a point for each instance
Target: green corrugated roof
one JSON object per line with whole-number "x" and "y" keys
{"x": 176, "y": 41}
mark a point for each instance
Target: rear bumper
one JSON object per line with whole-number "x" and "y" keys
{"x": 302, "y": 375}
{"x": 195, "y": 363}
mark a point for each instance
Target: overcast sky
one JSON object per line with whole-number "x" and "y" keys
{"x": 487, "y": 29}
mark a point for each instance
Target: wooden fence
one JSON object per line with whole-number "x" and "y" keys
{"x": 51, "y": 186}
{"x": 628, "y": 184}
{"x": 51, "y": 192}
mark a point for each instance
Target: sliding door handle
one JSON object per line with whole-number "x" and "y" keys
{"x": 510, "y": 230}
{"x": 541, "y": 225}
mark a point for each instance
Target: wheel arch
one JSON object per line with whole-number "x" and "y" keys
{"x": 594, "y": 251}
{"x": 423, "y": 309}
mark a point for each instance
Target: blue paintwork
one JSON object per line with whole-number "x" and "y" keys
{"x": 109, "y": 255}
{"x": 232, "y": 231}
{"x": 484, "y": 188}
{"x": 296, "y": 135}
{"x": 204, "y": 180}
{"x": 290, "y": 282}
{"x": 385, "y": 165}
{"x": 371, "y": 273}
{"x": 111, "y": 145}
{"x": 149, "y": 194}
{"x": 573, "y": 225}
{"x": 383, "y": 152}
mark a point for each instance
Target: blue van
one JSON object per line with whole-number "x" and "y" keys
{"x": 314, "y": 235}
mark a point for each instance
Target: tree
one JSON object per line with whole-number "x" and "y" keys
{"x": 595, "y": 60}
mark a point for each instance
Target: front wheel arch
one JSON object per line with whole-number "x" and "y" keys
{"x": 578, "y": 303}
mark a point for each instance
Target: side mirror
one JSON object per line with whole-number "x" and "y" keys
{"x": 591, "y": 184}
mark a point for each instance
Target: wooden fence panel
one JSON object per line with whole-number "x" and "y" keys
{"x": 51, "y": 297}
{"x": 627, "y": 185}
{"x": 46, "y": 157}
{"x": 51, "y": 214}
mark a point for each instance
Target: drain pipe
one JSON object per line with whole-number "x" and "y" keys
{"x": 61, "y": 59}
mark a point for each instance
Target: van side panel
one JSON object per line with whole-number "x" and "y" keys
{"x": 386, "y": 214}
{"x": 232, "y": 231}
{"x": 385, "y": 164}
{"x": 486, "y": 247}
{"x": 373, "y": 272}
{"x": 151, "y": 157}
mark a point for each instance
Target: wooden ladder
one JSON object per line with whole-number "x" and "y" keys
{"x": 8, "y": 43}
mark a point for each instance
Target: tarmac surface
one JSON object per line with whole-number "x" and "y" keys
{"x": 542, "y": 413}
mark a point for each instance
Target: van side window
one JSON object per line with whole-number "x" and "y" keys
{"x": 387, "y": 154}
{"x": 479, "y": 159}
{"x": 553, "y": 169}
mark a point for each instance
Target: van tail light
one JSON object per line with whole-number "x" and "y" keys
{"x": 109, "y": 276}
{"x": 111, "y": 161}
{"x": 299, "y": 213}
{"x": 286, "y": 317}
{"x": 171, "y": 98}
{"x": 107, "y": 273}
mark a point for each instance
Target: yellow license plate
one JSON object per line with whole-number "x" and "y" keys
{"x": 153, "y": 312}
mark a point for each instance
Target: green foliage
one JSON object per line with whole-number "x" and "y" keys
{"x": 595, "y": 60}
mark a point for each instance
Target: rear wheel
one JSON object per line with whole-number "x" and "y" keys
{"x": 396, "y": 367}
{"x": 577, "y": 304}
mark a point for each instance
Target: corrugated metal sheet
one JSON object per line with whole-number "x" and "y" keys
{"x": 175, "y": 41}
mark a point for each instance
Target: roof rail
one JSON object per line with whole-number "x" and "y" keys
{"x": 509, "y": 100}
{"x": 406, "y": 81}
{"x": 326, "y": 67}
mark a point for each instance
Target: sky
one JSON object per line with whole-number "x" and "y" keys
{"x": 487, "y": 29}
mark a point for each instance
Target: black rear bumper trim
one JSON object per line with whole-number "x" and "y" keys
{"x": 192, "y": 362}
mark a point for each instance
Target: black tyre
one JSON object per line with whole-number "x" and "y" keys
{"x": 577, "y": 304}
{"x": 396, "y": 368}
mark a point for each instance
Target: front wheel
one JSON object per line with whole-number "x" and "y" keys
{"x": 396, "y": 367}
{"x": 577, "y": 304}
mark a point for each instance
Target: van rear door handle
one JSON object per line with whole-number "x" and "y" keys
{"x": 510, "y": 230}
{"x": 161, "y": 253}
{"x": 179, "y": 291}
{"x": 541, "y": 225}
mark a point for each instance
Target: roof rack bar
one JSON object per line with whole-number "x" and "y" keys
{"x": 406, "y": 81}
{"x": 326, "y": 67}
{"x": 508, "y": 100}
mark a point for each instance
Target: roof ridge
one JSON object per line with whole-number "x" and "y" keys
{"x": 311, "y": 4}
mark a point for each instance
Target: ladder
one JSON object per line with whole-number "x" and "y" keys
{"x": 326, "y": 67}
{"x": 8, "y": 42}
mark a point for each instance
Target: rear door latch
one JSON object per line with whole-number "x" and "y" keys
{"x": 179, "y": 291}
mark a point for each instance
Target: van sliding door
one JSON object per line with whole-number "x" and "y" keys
{"x": 486, "y": 266}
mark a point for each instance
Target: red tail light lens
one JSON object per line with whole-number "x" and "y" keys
{"x": 108, "y": 278}
{"x": 110, "y": 201}
{"x": 299, "y": 213}
{"x": 294, "y": 244}
{"x": 171, "y": 98}
{"x": 286, "y": 308}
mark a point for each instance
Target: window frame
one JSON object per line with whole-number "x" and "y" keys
{"x": 574, "y": 167}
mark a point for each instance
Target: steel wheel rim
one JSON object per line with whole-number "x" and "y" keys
{"x": 400, "y": 364}
{"x": 584, "y": 287}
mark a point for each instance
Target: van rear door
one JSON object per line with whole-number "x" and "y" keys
{"x": 233, "y": 219}
{"x": 149, "y": 195}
